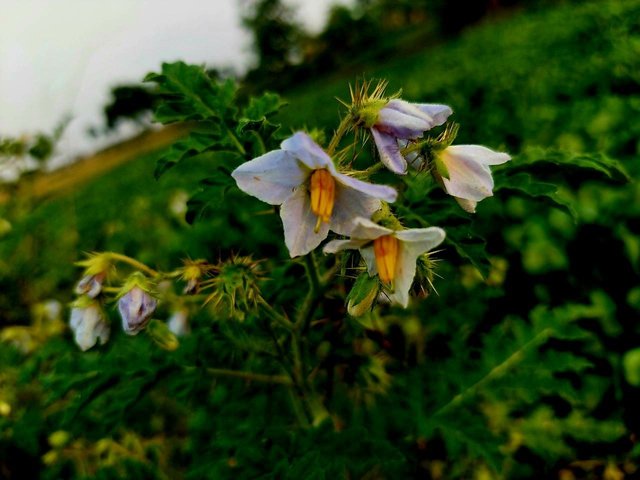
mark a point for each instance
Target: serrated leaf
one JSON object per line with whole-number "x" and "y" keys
{"x": 193, "y": 145}
{"x": 603, "y": 167}
{"x": 262, "y": 107}
{"x": 525, "y": 183}
{"x": 188, "y": 93}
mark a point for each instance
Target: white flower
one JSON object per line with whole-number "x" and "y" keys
{"x": 399, "y": 120}
{"x": 392, "y": 254}
{"x": 465, "y": 172}
{"x": 315, "y": 197}
{"x": 88, "y": 324}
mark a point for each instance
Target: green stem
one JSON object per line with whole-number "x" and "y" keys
{"x": 134, "y": 263}
{"x": 315, "y": 291}
{"x": 337, "y": 136}
{"x": 250, "y": 376}
{"x": 235, "y": 141}
{"x": 495, "y": 372}
{"x": 274, "y": 315}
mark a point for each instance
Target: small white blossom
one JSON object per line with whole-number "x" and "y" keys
{"x": 88, "y": 324}
{"x": 391, "y": 254}
{"x": 468, "y": 177}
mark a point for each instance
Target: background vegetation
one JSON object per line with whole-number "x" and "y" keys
{"x": 530, "y": 372}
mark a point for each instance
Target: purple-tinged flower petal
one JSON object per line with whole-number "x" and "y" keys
{"x": 389, "y": 152}
{"x": 383, "y": 192}
{"x": 439, "y": 113}
{"x": 299, "y": 222}
{"x": 89, "y": 326}
{"x": 136, "y": 307}
{"x": 302, "y": 147}
{"x": 402, "y": 125}
{"x": 271, "y": 177}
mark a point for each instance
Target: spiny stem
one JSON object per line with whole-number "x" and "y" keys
{"x": 337, "y": 136}
{"x": 134, "y": 263}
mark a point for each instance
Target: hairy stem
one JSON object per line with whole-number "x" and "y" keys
{"x": 337, "y": 136}
{"x": 134, "y": 263}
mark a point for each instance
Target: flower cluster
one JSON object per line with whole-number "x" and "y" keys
{"x": 136, "y": 301}
{"x": 317, "y": 195}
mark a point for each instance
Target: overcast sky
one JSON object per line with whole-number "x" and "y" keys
{"x": 60, "y": 57}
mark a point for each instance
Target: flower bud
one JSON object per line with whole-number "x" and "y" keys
{"x": 88, "y": 323}
{"x": 90, "y": 285}
{"x": 135, "y": 304}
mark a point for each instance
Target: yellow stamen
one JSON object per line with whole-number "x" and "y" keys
{"x": 323, "y": 193}
{"x": 386, "y": 252}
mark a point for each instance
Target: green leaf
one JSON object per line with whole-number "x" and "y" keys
{"x": 263, "y": 107}
{"x": 188, "y": 93}
{"x": 193, "y": 145}
{"x": 211, "y": 196}
{"x": 566, "y": 163}
{"x": 525, "y": 183}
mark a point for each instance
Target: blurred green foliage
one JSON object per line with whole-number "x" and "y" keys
{"x": 529, "y": 371}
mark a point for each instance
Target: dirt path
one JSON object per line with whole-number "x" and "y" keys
{"x": 42, "y": 185}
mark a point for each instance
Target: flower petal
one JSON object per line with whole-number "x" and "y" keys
{"x": 335, "y": 246}
{"x": 405, "y": 272}
{"x": 271, "y": 177}
{"x": 89, "y": 326}
{"x": 383, "y": 192}
{"x": 349, "y": 205}
{"x": 413, "y": 243}
{"x": 389, "y": 151}
{"x": 369, "y": 257}
{"x": 365, "y": 229}
{"x": 306, "y": 150}
{"x": 299, "y": 221}
{"x": 479, "y": 154}
{"x": 438, "y": 113}
{"x": 430, "y": 237}
{"x": 407, "y": 122}
{"x": 468, "y": 178}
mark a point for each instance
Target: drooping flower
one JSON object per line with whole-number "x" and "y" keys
{"x": 465, "y": 172}
{"x": 391, "y": 254}
{"x": 97, "y": 268}
{"x": 399, "y": 120}
{"x": 313, "y": 195}
{"x": 88, "y": 323}
{"x": 136, "y": 304}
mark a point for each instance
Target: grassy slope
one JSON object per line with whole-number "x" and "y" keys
{"x": 566, "y": 78}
